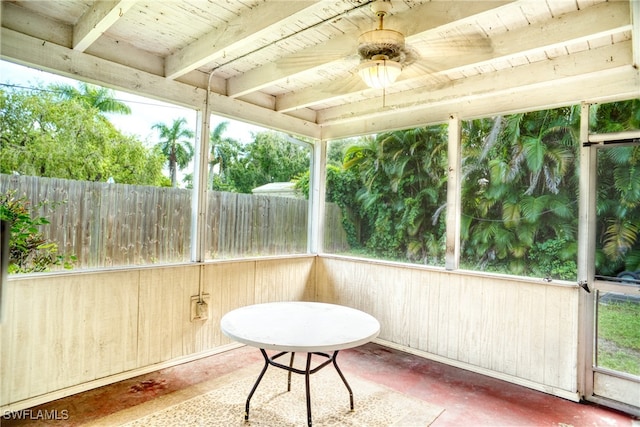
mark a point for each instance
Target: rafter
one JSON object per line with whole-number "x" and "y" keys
{"x": 100, "y": 16}
{"x": 578, "y": 26}
{"x": 594, "y": 70}
{"x": 258, "y": 23}
{"x": 318, "y": 57}
{"x": 70, "y": 63}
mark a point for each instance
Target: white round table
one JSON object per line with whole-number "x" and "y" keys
{"x": 306, "y": 327}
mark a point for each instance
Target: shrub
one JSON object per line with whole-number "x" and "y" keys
{"x": 29, "y": 250}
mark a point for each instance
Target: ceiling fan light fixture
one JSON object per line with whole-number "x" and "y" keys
{"x": 379, "y": 73}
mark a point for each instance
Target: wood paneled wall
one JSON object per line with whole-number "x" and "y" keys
{"x": 69, "y": 332}
{"x": 65, "y": 333}
{"x": 520, "y": 330}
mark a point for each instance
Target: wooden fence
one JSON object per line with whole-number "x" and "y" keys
{"x": 113, "y": 224}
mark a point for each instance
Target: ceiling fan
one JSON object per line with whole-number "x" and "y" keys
{"x": 382, "y": 52}
{"x": 377, "y": 57}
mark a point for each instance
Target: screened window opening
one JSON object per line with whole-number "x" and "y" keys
{"x": 91, "y": 177}
{"x": 390, "y": 190}
{"x": 257, "y": 193}
{"x": 519, "y": 194}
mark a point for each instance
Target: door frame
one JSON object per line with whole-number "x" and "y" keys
{"x": 590, "y": 144}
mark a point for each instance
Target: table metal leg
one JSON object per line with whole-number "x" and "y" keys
{"x": 255, "y": 386}
{"x": 289, "y": 371}
{"x": 306, "y": 383}
{"x": 344, "y": 380}
{"x": 307, "y": 373}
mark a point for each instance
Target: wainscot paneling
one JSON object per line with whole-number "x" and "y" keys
{"x": 164, "y": 313}
{"x": 61, "y": 330}
{"x": 523, "y": 331}
{"x": 234, "y": 284}
{"x": 68, "y": 332}
{"x": 290, "y": 281}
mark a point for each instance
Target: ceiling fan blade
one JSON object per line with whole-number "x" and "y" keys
{"x": 318, "y": 55}
{"x": 452, "y": 42}
{"x": 352, "y": 83}
{"x": 424, "y": 70}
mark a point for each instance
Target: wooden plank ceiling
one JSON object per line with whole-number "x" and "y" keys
{"x": 292, "y": 65}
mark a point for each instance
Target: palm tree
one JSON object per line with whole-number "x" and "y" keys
{"x": 402, "y": 190}
{"x": 519, "y": 186}
{"x": 618, "y": 192}
{"x": 414, "y": 163}
{"x": 362, "y": 157}
{"x": 175, "y": 145}
{"x": 215, "y": 156}
{"x": 93, "y": 96}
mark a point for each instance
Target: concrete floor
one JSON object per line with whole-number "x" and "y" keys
{"x": 469, "y": 399}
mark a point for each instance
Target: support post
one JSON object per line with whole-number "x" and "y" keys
{"x": 454, "y": 199}
{"x": 200, "y": 178}
{"x": 317, "y": 193}
{"x": 586, "y": 254}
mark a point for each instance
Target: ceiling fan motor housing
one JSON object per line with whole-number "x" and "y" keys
{"x": 382, "y": 42}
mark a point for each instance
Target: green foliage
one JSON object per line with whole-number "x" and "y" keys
{"x": 519, "y": 177}
{"x": 269, "y": 158}
{"x": 616, "y": 116}
{"x": 519, "y": 193}
{"x": 45, "y": 134}
{"x": 217, "y": 154}
{"x": 399, "y": 201}
{"x": 342, "y": 185}
{"x": 554, "y": 258}
{"x": 29, "y": 251}
{"x": 618, "y": 208}
{"x": 92, "y": 97}
{"x": 519, "y": 190}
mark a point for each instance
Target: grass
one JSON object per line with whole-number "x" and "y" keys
{"x": 619, "y": 336}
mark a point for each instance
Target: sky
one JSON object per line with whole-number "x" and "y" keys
{"x": 144, "y": 112}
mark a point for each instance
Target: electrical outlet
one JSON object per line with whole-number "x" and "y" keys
{"x": 200, "y": 307}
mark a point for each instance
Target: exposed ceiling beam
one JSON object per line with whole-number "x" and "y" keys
{"x": 101, "y": 15}
{"x": 35, "y": 25}
{"x": 437, "y": 15}
{"x": 541, "y": 75}
{"x": 258, "y": 23}
{"x": 78, "y": 65}
{"x": 607, "y": 18}
{"x": 599, "y": 87}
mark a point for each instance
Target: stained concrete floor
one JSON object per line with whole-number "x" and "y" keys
{"x": 469, "y": 399}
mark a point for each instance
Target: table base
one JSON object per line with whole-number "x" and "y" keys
{"x": 306, "y": 372}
